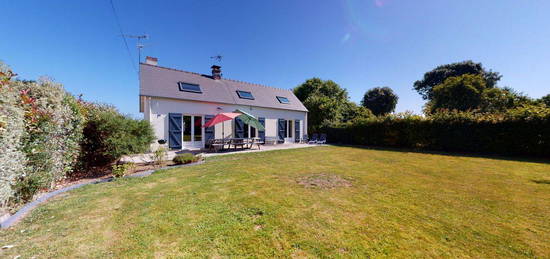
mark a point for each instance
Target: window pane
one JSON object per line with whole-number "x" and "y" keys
{"x": 252, "y": 132}
{"x": 283, "y": 99}
{"x": 198, "y": 128}
{"x": 186, "y": 87}
{"x": 245, "y": 95}
{"x": 290, "y": 127}
{"x": 245, "y": 130}
{"x": 187, "y": 128}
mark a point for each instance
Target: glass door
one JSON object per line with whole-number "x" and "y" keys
{"x": 192, "y": 131}
{"x": 187, "y": 132}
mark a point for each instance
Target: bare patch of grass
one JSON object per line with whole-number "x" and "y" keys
{"x": 323, "y": 181}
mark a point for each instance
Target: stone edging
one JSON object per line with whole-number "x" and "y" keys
{"x": 21, "y": 213}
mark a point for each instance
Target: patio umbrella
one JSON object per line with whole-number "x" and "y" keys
{"x": 219, "y": 118}
{"x": 250, "y": 120}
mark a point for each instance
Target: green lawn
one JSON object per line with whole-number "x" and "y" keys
{"x": 399, "y": 204}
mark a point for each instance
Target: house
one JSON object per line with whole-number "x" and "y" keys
{"x": 177, "y": 103}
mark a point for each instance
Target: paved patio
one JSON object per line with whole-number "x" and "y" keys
{"x": 148, "y": 157}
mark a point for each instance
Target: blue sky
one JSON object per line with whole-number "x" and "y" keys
{"x": 358, "y": 44}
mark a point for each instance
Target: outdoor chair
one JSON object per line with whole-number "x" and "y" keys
{"x": 322, "y": 139}
{"x": 314, "y": 139}
{"x": 304, "y": 139}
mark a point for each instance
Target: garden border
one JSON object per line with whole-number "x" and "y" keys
{"x": 21, "y": 213}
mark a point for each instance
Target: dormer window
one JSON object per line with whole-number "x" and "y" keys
{"x": 187, "y": 87}
{"x": 245, "y": 95}
{"x": 283, "y": 100}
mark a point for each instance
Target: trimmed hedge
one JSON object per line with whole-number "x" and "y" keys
{"x": 523, "y": 131}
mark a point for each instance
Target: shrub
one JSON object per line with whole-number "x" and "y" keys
{"x": 12, "y": 130}
{"x": 159, "y": 155}
{"x": 108, "y": 136}
{"x": 39, "y": 135}
{"x": 185, "y": 158}
{"x": 120, "y": 170}
{"x": 42, "y": 131}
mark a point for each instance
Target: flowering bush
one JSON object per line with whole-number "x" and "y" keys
{"x": 45, "y": 132}
{"x": 12, "y": 130}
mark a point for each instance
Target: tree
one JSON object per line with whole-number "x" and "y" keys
{"x": 501, "y": 99}
{"x": 438, "y": 75}
{"x": 380, "y": 100}
{"x": 325, "y": 101}
{"x": 546, "y": 100}
{"x": 460, "y": 93}
{"x": 353, "y": 112}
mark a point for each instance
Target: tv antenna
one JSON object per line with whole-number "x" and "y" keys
{"x": 138, "y": 44}
{"x": 217, "y": 58}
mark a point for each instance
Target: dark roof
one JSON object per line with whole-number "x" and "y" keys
{"x": 159, "y": 81}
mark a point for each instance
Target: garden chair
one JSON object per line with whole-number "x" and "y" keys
{"x": 314, "y": 139}
{"x": 322, "y": 139}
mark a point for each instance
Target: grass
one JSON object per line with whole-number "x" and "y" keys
{"x": 399, "y": 204}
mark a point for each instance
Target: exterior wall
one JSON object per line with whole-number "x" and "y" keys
{"x": 157, "y": 110}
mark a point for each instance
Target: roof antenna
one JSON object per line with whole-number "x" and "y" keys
{"x": 138, "y": 44}
{"x": 217, "y": 58}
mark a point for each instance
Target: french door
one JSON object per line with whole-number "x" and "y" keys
{"x": 192, "y": 130}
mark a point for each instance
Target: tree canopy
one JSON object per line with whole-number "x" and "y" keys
{"x": 546, "y": 100}
{"x": 458, "y": 93}
{"x": 439, "y": 74}
{"x": 470, "y": 93}
{"x": 325, "y": 100}
{"x": 380, "y": 100}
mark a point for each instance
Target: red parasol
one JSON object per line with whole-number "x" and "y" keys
{"x": 221, "y": 117}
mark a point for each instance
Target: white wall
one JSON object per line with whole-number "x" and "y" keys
{"x": 160, "y": 107}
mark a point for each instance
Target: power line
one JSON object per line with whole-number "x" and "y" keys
{"x": 123, "y": 36}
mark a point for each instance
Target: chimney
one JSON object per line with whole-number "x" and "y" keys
{"x": 216, "y": 72}
{"x": 151, "y": 61}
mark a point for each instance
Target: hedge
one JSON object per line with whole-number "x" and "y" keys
{"x": 524, "y": 131}
{"x": 46, "y": 134}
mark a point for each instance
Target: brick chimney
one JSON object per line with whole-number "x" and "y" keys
{"x": 216, "y": 72}
{"x": 151, "y": 61}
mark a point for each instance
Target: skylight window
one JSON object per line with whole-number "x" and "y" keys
{"x": 283, "y": 100}
{"x": 186, "y": 87}
{"x": 245, "y": 95}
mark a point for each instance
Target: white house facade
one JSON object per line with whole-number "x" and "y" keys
{"x": 177, "y": 103}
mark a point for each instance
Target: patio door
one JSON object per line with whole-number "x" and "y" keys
{"x": 187, "y": 128}
{"x": 192, "y": 131}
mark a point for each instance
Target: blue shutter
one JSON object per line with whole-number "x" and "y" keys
{"x": 239, "y": 128}
{"x": 281, "y": 126}
{"x": 174, "y": 130}
{"x": 297, "y": 131}
{"x": 209, "y": 132}
{"x": 262, "y": 132}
